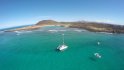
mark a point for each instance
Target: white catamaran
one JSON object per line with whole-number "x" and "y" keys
{"x": 63, "y": 46}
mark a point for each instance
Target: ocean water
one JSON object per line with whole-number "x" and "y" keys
{"x": 36, "y": 50}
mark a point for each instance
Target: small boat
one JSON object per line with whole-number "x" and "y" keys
{"x": 63, "y": 46}
{"x": 97, "y": 55}
{"x": 98, "y": 43}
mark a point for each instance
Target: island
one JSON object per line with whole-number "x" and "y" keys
{"x": 90, "y": 26}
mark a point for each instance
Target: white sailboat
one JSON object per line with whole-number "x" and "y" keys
{"x": 63, "y": 46}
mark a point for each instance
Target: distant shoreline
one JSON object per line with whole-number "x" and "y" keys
{"x": 90, "y": 26}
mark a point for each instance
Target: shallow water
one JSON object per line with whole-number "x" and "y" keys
{"x": 36, "y": 50}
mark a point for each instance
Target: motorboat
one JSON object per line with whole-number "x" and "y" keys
{"x": 97, "y": 55}
{"x": 98, "y": 43}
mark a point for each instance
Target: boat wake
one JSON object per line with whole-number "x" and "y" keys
{"x": 21, "y": 32}
{"x": 53, "y": 30}
{"x": 1, "y": 32}
{"x": 104, "y": 33}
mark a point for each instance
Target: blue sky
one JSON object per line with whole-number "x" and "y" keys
{"x": 24, "y": 12}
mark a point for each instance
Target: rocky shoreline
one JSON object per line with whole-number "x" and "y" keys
{"x": 90, "y": 26}
{"x": 99, "y": 27}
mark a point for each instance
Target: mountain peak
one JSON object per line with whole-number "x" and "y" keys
{"x": 46, "y": 22}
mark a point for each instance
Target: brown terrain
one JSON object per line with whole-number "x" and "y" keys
{"x": 90, "y": 26}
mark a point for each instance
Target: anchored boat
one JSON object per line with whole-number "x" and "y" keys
{"x": 63, "y": 46}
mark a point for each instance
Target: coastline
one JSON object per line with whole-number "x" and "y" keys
{"x": 90, "y": 26}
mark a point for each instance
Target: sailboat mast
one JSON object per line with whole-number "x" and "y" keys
{"x": 63, "y": 38}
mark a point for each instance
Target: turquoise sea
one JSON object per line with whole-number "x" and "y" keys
{"x": 36, "y": 50}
